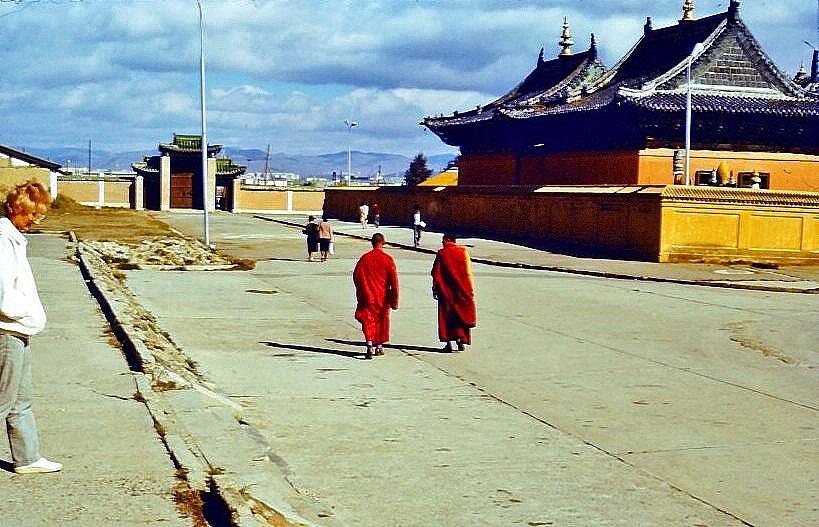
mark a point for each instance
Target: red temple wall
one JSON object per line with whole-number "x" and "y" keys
{"x": 487, "y": 169}
{"x": 638, "y": 167}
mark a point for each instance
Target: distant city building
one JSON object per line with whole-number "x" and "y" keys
{"x": 173, "y": 179}
{"x": 572, "y": 121}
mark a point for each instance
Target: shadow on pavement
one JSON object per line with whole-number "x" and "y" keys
{"x": 400, "y": 347}
{"x": 298, "y": 347}
{"x": 5, "y": 465}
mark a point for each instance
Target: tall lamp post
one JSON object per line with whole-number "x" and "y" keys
{"x": 204, "y": 143}
{"x": 350, "y": 125}
{"x": 694, "y": 52}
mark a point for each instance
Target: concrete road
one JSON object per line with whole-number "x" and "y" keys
{"x": 584, "y": 401}
{"x": 116, "y": 470}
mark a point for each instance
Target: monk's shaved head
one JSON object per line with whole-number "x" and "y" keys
{"x": 377, "y": 239}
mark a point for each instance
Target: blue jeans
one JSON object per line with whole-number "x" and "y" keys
{"x": 15, "y": 399}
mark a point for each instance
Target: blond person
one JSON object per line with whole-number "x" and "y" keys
{"x": 21, "y": 317}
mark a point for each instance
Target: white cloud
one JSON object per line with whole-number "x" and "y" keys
{"x": 290, "y": 71}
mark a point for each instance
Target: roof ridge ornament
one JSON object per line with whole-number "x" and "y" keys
{"x": 647, "y": 28}
{"x": 593, "y": 43}
{"x": 566, "y": 39}
{"x": 733, "y": 10}
{"x": 688, "y": 10}
{"x": 540, "y": 57}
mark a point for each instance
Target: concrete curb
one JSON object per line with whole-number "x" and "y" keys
{"x": 195, "y": 467}
{"x": 584, "y": 272}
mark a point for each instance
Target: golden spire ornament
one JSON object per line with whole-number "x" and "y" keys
{"x": 566, "y": 38}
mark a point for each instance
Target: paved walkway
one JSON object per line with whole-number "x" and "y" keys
{"x": 116, "y": 470}
{"x": 784, "y": 278}
{"x": 119, "y": 472}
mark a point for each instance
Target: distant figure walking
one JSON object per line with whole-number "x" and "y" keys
{"x": 363, "y": 212}
{"x": 453, "y": 287}
{"x": 376, "y": 290}
{"x": 376, "y": 210}
{"x": 417, "y": 225}
{"x": 21, "y": 316}
{"x": 325, "y": 235}
{"x": 311, "y": 230}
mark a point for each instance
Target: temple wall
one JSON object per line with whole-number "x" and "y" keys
{"x": 798, "y": 172}
{"x": 652, "y": 223}
{"x": 487, "y": 169}
{"x": 725, "y": 224}
{"x": 623, "y": 224}
{"x": 586, "y": 168}
{"x": 277, "y": 200}
{"x": 654, "y": 166}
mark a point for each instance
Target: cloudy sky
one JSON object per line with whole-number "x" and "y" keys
{"x": 125, "y": 73}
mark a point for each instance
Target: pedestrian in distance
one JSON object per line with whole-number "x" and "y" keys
{"x": 454, "y": 288}
{"x": 363, "y": 213}
{"x": 376, "y": 210}
{"x": 417, "y": 225}
{"x": 21, "y": 317}
{"x": 376, "y": 289}
{"x": 311, "y": 230}
{"x": 325, "y": 234}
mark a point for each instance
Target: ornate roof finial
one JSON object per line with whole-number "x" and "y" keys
{"x": 688, "y": 10}
{"x": 566, "y": 38}
{"x": 540, "y": 57}
{"x": 733, "y": 10}
{"x": 801, "y": 75}
{"x": 647, "y": 27}
{"x": 593, "y": 44}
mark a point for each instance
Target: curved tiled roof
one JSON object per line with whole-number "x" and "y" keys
{"x": 547, "y": 81}
{"x": 733, "y": 104}
{"x": 732, "y": 75}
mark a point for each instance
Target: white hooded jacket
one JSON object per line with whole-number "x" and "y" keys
{"x": 21, "y": 311}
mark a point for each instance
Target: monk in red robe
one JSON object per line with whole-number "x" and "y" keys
{"x": 454, "y": 288}
{"x": 376, "y": 290}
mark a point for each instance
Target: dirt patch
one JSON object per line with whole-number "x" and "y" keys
{"x": 88, "y": 223}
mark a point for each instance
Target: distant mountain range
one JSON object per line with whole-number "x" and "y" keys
{"x": 364, "y": 164}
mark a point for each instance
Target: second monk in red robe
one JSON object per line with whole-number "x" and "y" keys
{"x": 453, "y": 287}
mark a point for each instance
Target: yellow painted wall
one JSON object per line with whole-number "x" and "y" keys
{"x": 619, "y": 223}
{"x": 117, "y": 193}
{"x": 716, "y": 224}
{"x": 15, "y": 175}
{"x": 654, "y": 223}
{"x": 272, "y": 199}
{"x": 788, "y": 171}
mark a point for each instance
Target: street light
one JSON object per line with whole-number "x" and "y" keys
{"x": 350, "y": 125}
{"x": 694, "y": 52}
{"x": 204, "y": 143}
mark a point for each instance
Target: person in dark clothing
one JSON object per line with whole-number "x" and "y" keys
{"x": 311, "y": 230}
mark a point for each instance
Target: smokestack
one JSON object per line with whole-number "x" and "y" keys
{"x": 814, "y": 67}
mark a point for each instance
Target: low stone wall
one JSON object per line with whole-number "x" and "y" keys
{"x": 651, "y": 223}
{"x": 276, "y": 200}
{"x": 99, "y": 192}
{"x": 705, "y": 223}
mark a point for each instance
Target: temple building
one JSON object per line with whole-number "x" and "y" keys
{"x": 572, "y": 121}
{"x": 173, "y": 179}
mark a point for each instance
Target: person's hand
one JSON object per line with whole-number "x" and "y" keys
{"x": 434, "y": 295}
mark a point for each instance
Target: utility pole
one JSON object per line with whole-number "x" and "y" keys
{"x": 89, "y": 157}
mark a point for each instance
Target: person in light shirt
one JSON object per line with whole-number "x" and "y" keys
{"x": 21, "y": 317}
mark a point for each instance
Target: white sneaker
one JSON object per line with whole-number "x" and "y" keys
{"x": 39, "y": 466}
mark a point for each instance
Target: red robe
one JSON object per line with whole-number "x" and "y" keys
{"x": 376, "y": 290}
{"x": 453, "y": 285}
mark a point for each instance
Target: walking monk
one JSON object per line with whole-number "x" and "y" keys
{"x": 376, "y": 290}
{"x": 454, "y": 288}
